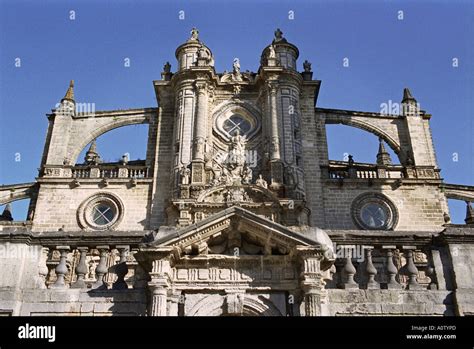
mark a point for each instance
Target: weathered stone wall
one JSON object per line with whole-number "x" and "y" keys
{"x": 57, "y": 205}
{"x": 420, "y": 207}
{"x": 389, "y": 302}
{"x": 72, "y": 302}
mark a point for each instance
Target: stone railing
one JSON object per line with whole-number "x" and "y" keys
{"x": 383, "y": 267}
{"x": 346, "y": 170}
{"x": 100, "y": 171}
{"x": 98, "y": 267}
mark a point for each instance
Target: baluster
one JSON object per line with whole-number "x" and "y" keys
{"x": 121, "y": 269}
{"x": 101, "y": 269}
{"x": 392, "y": 271}
{"x": 43, "y": 267}
{"x": 349, "y": 271}
{"x": 412, "y": 270}
{"x": 81, "y": 269}
{"x": 61, "y": 268}
{"x": 430, "y": 272}
{"x": 371, "y": 270}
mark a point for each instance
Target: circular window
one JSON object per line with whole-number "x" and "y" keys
{"x": 236, "y": 117}
{"x": 100, "y": 212}
{"x": 374, "y": 211}
{"x": 236, "y": 123}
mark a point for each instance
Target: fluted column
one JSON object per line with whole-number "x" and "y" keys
{"x": 158, "y": 301}
{"x": 274, "y": 135}
{"x": 200, "y": 133}
{"x": 276, "y": 167}
{"x": 61, "y": 268}
{"x": 200, "y": 123}
{"x": 160, "y": 275}
{"x": 81, "y": 269}
{"x": 312, "y": 282}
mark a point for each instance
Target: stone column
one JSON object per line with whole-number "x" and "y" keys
{"x": 276, "y": 167}
{"x": 159, "y": 284}
{"x": 200, "y": 133}
{"x": 275, "y": 138}
{"x": 158, "y": 301}
{"x": 312, "y": 282}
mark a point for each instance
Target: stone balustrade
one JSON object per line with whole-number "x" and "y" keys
{"x": 98, "y": 267}
{"x": 99, "y": 171}
{"x": 382, "y": 267}
{"x": 346, "y": 170}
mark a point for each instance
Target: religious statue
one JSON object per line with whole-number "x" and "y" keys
{"x": 167, "y": 67}
{"x": 307, "y": 66}
{"x": 236, "y": 66}
{"x": 271, "y": 52}
{"x": 202, "y": 52}
{"x": 236, "y": 70}
{"x": 261, "y": 182}
{"x": 278, "y": 34}
{"x": 185, "y": 173}
{"x": 247, "y": 175}
{"x": 194, "y": 35}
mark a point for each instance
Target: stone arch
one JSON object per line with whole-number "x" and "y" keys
{"x": 16, "y": 192}
{"x": 214, "y": 305}
{"x": 211, "y": 305}
{"x": 260, "y": 306}
{"x": 367, "y": 126}
{"x": 84, "y": 138}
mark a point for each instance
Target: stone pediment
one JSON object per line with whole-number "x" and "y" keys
{"x": 235, "y": 232}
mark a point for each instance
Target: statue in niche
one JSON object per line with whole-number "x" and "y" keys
{"x": 185, "y": 174}
{"x": 261, "y": 182}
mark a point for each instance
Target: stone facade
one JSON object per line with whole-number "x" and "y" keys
{"x": 237, "y": 209}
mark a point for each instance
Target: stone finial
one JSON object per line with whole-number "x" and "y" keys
{"x": 92, "y": 156}
{"x": 7, "y": 213}
{"x": 194, "y": 35}
{"x": 383, "y": 157}
{"x": 70, "y": 92}
{"x": 469, "y": 213}
{"x": 407, "y": 96}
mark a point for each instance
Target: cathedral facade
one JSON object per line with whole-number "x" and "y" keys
{"x": 237, "y": 208}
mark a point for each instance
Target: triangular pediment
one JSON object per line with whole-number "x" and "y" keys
{"x": 231, "y": 229}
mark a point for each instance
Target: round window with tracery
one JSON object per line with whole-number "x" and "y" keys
{"x": 236, "y": 123}
{"x": 374, "y": 211}
{"x": 100, "y": 212}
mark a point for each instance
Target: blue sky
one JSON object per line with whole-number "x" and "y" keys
{"x": 385, "y": 55}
